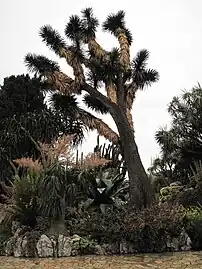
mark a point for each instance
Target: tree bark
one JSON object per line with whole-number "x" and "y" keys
{"x": 141, "y": 193}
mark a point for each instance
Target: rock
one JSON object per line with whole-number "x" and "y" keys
{"x": 18, "y": 247}
{"x": 9, "y": 246}
{"x": 185, "y": 241}
{"x": 45, "y": 247}
{"x": 15, "y": 226}
{"x": 112, "y": 248}
{"x": 182, "y": 242}
{"x": 99, "y": 250}
{"x": 64, "y": 246}
{"x": 126, "y": 247}
{"x": 173, "y": 243}
{"x": 123, "y": 247}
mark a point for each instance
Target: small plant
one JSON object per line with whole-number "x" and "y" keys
{"x": 105, "y": 189}
{"x": 170, "y": 192}
{"x": 194, "y": 226}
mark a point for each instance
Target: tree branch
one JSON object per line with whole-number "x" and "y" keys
{"x": 101, "y": 97}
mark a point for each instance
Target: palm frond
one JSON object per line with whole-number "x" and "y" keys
{"x": 40, "y": 64}
{"x": 52, "y": 38}
{"x": 94, "y": 104}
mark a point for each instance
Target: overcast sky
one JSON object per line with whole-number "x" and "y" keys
{"x": 170, "y": 29}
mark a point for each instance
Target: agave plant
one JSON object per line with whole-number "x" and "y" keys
{"x": 105, "y": 189}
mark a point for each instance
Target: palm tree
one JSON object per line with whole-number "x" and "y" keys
{"x": 94, "y": 67}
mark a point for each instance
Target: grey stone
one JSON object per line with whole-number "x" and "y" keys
{"x": 45, "y": 247}
{"x": 64, "y": 246}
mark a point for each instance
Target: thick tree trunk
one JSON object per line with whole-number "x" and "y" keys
{"x": 141, "y": 193}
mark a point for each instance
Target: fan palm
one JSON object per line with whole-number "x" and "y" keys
{"x": 114, "y": 69}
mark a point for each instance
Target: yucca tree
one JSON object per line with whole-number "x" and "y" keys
{"x": 94, "y": 68}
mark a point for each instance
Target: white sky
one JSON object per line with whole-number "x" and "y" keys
{"x": 170, "y": 29}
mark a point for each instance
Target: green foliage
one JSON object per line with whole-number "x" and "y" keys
{"x": 84, "y": 245}
{"x": 25, "y": 116}
{"x": 24, "y": 201}
{"x": 105, "y": 189}
{"x": 194, "y": 226}
{"x": 147, "y": 230}
{"x": 170, "y": 192}
{"x": 181, "y": 145}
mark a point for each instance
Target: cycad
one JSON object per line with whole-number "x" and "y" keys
{"x": 113, "y": 70}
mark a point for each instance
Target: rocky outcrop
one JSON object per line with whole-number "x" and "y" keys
{"x": 27, "y": 243}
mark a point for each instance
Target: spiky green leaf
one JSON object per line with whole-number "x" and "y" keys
{"x": 52, "y": 38}
{"x": 40, "y": 64}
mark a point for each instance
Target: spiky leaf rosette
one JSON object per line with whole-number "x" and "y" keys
{"x": 94, "y": 104}
{"x": 140, "y": 74}
{"x": 90, "y": 24}
{"x": 40, "y": 65}
{"x": 115, "y": 24}
{"x": 52, "y": 39}
{"x": 74, "y": 30}
{"x": 51, "y": 71}
{"x": 64, "y": 103}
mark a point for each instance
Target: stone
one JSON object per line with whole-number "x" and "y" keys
{"x": 185, "y": 241}
{"x": 112, "y": 248}
{"x": 64, "y": 246}
{"x": 45, "y": 247}
{"x": 173, "y": 243}
{"x": 126, "y": 247}
{"x": 99, "y": 250}
{"x": 18, "y": 248}
{"x": 123, "y": 247}
{"x": 15, "y": 226}
{"x": 9, "y": 246}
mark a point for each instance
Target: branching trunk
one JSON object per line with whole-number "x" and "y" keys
{"x": 141, "y": 193}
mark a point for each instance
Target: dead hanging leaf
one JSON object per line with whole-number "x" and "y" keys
{"x": 95, "y": 48}
{"x": 61, "y": 82}
{"x": 111, "y": 93}
{"x": 130, "y": 119}
{"x": 102, "y": 128}
{"x": 130, "y": 97}
{"x": 124, "y": 50}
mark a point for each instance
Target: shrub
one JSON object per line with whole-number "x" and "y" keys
{"x": 146, "y": 229}
{"x": 194, "y": 226}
